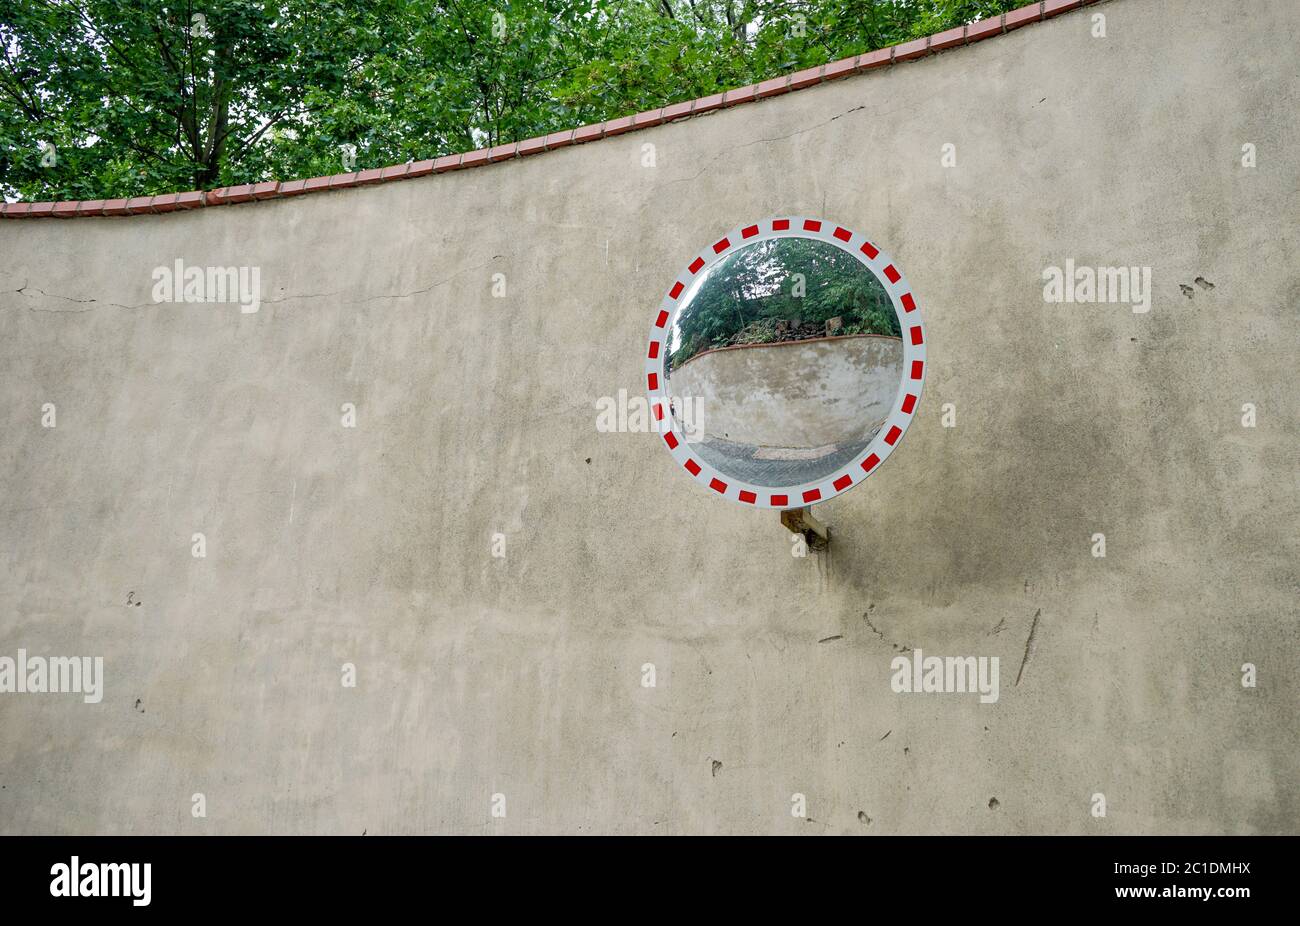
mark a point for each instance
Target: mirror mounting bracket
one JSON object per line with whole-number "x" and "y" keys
{"x": 802, "y": 521}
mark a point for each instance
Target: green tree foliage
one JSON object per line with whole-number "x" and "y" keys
{"x": 105, "y": 98}
{"x": 783, "y": 283}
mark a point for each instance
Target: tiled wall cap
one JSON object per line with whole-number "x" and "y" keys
{"x": 708, "y": 104}
{"x": 917, "y": 48}
{"x": 838, "y": 69}
{"x": 949, "y": 39}
{"x": 532, "y": 146}
{"x": 1023, "y": 16}
{"x": 618, "y": 126}
{"x": 164, "y": 203}
{"x": 878, "y": 58}
{"x": 984, "y": 29}
{"x": 808, "y": 78}
{"x": 559, "y": 139}
{"x": 678, "y": 110}
{"x": 739, "y": 95}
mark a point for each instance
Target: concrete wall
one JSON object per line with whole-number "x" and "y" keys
{"x": 476, "y": 415}
{"x": 796, "y": 393}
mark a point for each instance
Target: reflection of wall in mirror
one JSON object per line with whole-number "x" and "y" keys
{"x": 795, "y": 393}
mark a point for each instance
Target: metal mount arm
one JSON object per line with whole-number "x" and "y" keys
{"x": 801, "y": 521}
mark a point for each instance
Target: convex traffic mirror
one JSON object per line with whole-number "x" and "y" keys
{"x": 785, "y": 362}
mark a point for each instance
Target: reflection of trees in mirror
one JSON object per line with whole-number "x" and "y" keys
{"x": 783, "y": 289}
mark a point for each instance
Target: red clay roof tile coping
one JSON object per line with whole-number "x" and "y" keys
{"x": 273, "y": 189}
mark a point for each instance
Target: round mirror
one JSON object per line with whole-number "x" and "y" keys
{"x": 785, "y": 362}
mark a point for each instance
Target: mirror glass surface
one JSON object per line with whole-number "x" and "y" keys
{"x": 783, "y": 361}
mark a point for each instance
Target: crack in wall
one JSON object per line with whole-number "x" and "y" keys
{"x": 900, "y": 647}
{"x": 22, "y": 290}
{"x": 1029, "y": 644}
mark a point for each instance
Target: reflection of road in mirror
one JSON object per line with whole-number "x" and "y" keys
{"x": 792, "y": 348}
{"x": 776, "y": 466}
